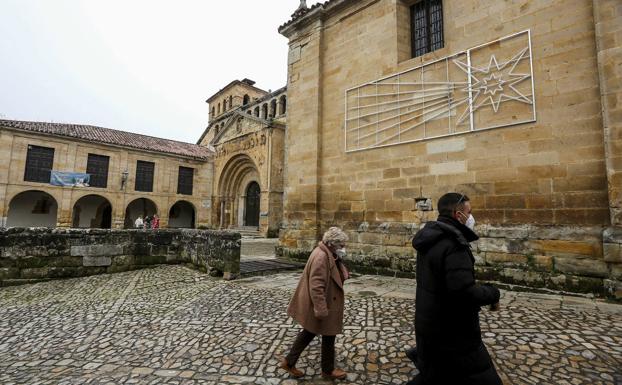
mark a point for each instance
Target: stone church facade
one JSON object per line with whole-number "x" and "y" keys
{"x": 516, "y": 104}
{"x": 248, "y": 139}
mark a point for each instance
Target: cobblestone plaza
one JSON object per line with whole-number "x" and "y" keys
{"x": 173, "y": 325}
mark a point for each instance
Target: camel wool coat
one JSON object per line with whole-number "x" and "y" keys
{"x": 318, "y": 303}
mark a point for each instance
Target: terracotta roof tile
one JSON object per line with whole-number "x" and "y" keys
{"x": 110, "y": 136}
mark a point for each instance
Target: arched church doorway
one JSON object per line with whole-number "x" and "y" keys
{"x": 92, "y": 211}
{"x": 32, "y": 209}
{"x": 253, "y": 195}
{"x": 181, "y": 215}
{"x": 234, "y": 206}
{"x": 139, "y": 207}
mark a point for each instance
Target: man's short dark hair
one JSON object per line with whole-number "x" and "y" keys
{"x": 451, "y": 202}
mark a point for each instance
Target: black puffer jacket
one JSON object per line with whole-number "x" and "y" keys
{"x": 448, "y": 299}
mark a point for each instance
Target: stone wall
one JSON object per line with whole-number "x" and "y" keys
{"x": 548, "y": 177}
{"x": 578, "y": 259}
{"x": 34, "y": 254}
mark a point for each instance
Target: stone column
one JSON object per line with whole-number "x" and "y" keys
{"x": 303, "y": 137}
{"x": 6, "y": 153}
{"x": 608, "y": 28}
{"x": 608, "y": 31}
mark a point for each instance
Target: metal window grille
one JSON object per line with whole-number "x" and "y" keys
{"x": 185, "y": 180}
{"x": 426, "y": 26}
{"x": 144, "y": 176}
{"x": 97, "y": 168}
{"x": 39, "y": 162}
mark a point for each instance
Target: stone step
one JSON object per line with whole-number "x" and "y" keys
{"x": 259, "y": 247}
{"x": 251, "y": 267}
{"x": 247, "y": 231}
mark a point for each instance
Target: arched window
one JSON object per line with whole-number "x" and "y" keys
{"x": 257, "y": 111}
{"x": 246, "y": 100}
{"x": 273, "y": 108}
{"x": 224, "y": 105}
{"x": 264, "y": 111}
{"x": 213, "y": 111}
{"x": 230, "y": 101}
{"x": 283, "y": 105}
{"x": 249, "y": 111}
{"x": 218, "y": 108}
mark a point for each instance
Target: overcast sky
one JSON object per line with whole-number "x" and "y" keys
{"x": 145, "y": 66}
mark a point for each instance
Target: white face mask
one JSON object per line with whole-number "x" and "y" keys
{"x": 341, "y": 252}
{"x": 470, "y": 222}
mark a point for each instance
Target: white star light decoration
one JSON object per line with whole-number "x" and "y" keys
{"x": 415, "y": 104}
{"x": 496, "y": 84}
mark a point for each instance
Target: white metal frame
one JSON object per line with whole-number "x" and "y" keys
{"x": 438, "y": 94}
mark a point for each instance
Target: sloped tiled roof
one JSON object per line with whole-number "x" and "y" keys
{"x": 110, "y": 136}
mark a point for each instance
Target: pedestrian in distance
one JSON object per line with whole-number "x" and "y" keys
{"x": 318, "y": 303}
{"x": 138, "y": 223}
{"x": 155, "y": 223}
{"x": 148, "y": 220}
{"x": 450, "y": 350}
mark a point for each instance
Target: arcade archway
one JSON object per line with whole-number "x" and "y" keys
{"x": 182, "y": 215}
{"x": 92, "y": 211}
{"x": 139, "y": 207}
{"x": 32, "y": 209}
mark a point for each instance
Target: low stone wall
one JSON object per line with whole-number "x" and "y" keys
{"x": 35, "y": 254}
{"x": 577, "y": 259}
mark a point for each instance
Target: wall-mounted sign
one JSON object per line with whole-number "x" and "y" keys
{"x": 71, "y": 179}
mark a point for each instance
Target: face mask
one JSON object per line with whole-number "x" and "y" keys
{"x": 341, "y": 252}
{"x": 470, "y": 222}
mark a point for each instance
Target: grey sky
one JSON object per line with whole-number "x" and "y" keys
{"x": 144, "y": 66}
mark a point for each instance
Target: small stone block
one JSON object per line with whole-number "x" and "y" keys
{"x": 96, "y": 261}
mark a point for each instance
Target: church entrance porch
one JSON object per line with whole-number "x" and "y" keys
{"x": 240, "y": 203}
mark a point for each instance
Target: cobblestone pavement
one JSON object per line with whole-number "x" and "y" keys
{"x": 172, "y": 325}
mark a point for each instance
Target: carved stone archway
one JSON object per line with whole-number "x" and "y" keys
{"x": 237, "y": 175}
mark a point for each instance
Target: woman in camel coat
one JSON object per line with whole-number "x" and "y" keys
{"x": 318, "y": 303}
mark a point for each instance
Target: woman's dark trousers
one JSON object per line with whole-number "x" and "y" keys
{"x": 303, "y": 339}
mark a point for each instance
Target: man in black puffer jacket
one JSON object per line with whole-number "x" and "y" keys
{"x": 450, "y": 350}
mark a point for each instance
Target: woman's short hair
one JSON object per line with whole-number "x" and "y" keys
{"x": 334, "y": 235}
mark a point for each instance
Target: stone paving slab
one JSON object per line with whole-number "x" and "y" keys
{"x": 172, "y": 325}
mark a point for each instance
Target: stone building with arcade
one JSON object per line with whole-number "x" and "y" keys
{"x": 131, "y": 175}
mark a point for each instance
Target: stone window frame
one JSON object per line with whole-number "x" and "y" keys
{"x": 426, "y": 18}
{"x": 185, "y": 180}
{"x": 144, "y": 176}
{"x": 282, "y": 105}
{"x": 97, "y": 167}
{"x": 39, "y": 164}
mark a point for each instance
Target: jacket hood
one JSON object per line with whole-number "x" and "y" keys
{"x": 434, "y": 231}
